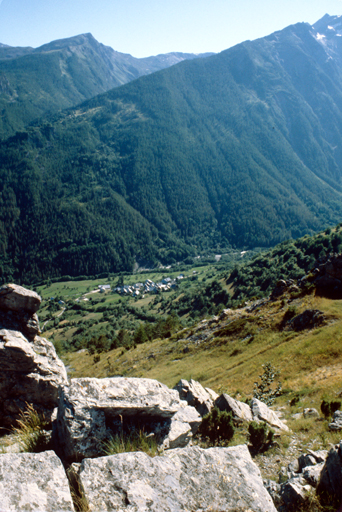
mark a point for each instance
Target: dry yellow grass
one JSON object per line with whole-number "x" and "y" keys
{"x": 310, "y": 360}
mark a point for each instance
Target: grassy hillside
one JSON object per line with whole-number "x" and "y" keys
{"x": 224, "y": 352}
{"x": 227, "y": 354}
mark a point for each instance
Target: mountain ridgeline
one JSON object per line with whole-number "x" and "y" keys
{"x": 238, "y": 149}
{"x": 39, "y": 81}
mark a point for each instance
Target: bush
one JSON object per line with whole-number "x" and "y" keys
{"x": 259, "y": 435}
{"x": 217, "y": 426}
{"x": 263, "y": 390}
{"x": 328, "y": 407}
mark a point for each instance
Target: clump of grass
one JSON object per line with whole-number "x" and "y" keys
{"x": 77, "y": 493}
{"x": 30, "y": 432}
{"x": 313, "y": 503}
{"x": 131, "y": 442}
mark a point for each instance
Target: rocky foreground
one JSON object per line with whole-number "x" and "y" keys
{"x": 81, "y": 415}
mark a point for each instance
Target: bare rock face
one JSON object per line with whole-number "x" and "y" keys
{"x": 196, "y": 396}
{"x": 31, "y": 373}
{"x": 92, "y": 410}
{"x": 263, "y": 413}
{"x": 329, "y": 487}
{"x": 33, "y": 482}
{"x": 31, "y": 370}
{"x": 336, "y": 423}
{"x": 182, "y": 480}
{"x": 17, "y": 298}
{"x": 240, "y": 411}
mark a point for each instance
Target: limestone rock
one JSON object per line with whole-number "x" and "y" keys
{"x": 336, "y": 423}
{"x": 33, "y": 482}
{"x": 31, "y": 373}
{"x": 188, "y": 415}
{"x": 273, "y": 490}
{"x": 92, "y": 410}
{"x": 196, "y": 396}
{"x": 294, "y": 491}
{"x": 294, "y": 466}
{"x": 310, "y": 412}
{"x": 319, "y": 455}
{"x": 312, "y": 474}
{"x": 26, "y": 323}
{"x": 213, "y": 395}
{"x": 182, "y": 480}
{"x": 17, "y": 298}
{"x": 184, "y": 424}
{"x": 240, "y": 411}
{"x": 263, "y": 413}
{"x": 306, "y": 460}
{"x": 329, "y": 486}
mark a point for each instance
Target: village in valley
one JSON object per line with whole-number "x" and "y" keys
{"x": 149, "y": 286}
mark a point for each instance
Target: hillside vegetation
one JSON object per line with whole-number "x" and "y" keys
{"x": 154, "y": 336}
{"x": 38, "y": 81}
{"x": 235, "y": 150}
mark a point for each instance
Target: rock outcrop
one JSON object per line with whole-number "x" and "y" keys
{"x": 181, "y": 480}
{"x": 31, "y": 370}
{"x": 196, "y": 395}
{"x": 309, "y": 319}
{"x": 33, "y": 482}
{"x": 17, "y": 298}
{"x": 240, "y": 411}
{"x": 92, "y": 410}
{"x": 336, "y": 423}
{"x": 261, "y": 412}
{"x": 298, "y": 481}
{"x": 329, "y": 487}
{"x": 257, "y": 411}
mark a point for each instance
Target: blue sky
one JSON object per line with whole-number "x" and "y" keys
{"x": 149, "y": 27}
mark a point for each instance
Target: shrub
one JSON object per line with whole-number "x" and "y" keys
{"x": 217, "y": 426}
{"x": 263, "y": 390}
{"x": 259, "y": 435}
{"x": 328, "y": 407}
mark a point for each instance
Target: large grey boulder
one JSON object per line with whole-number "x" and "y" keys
{"x": 261, "y": 412}
{"x": 33, "y": 482}
{"x": 196, "y": 395}
{"x": 92, "y": 410}
{"x": 312, "y": 474}
{"x": 240, "y": 411}
{"x": 336, "y": 423}
{"x": 31, "y": 372}
{"x": 330, "y": 484}
{"x": 17, "y": 298}
{"x": 185, "y": 479}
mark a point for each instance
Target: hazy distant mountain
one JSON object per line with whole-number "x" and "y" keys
{"x": 241, "y": 148}
{"x": 58, "y": 75}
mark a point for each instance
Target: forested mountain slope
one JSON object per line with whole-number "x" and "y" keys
{"x": 61, "y": 74}
{"x": 241, "y": 148}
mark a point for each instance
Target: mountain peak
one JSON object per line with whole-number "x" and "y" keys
{"x": 59, "y": 44}
{"x": 328, "y": 27}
